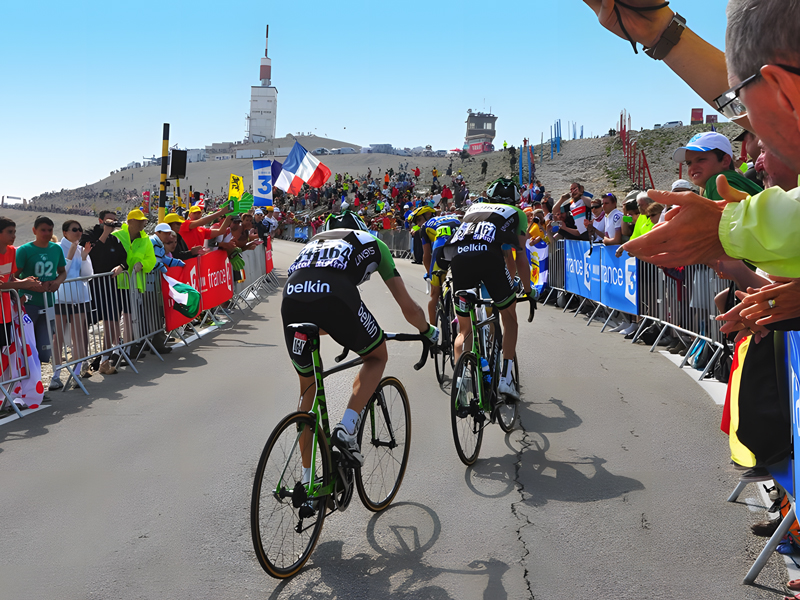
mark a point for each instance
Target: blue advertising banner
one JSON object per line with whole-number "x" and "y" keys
{"x": 583, "y": 269}
{"x": 262, "y": 182}
{"x": 620, "y": 282}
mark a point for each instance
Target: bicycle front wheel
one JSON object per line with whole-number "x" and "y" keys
{"x": 385, "y": 440}
{"x": 466, "y": 414}
{"x": 283, "y": 541}
{"x": 507, "y": 407}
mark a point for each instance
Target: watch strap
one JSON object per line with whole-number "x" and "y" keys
{"x": 669, "y": 39}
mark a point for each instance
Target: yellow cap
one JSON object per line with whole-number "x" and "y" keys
{"x": 270, "y": 209}
{"x": 136, "y": 215}
{"x": 195, "y": 208}
{"x": 173, "y": 218}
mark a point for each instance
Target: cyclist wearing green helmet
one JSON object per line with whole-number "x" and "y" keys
{"x": 476, "y": 253}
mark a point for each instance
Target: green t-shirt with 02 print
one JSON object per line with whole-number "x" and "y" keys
{"x": 43, "y": 264}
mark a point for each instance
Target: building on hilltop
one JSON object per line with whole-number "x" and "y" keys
{"x": 480, "y": 132}
{"x": 263, "y": 103}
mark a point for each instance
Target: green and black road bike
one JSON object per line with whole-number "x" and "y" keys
{"x": 474, "y": 399}
{"x": 286, "y": 512}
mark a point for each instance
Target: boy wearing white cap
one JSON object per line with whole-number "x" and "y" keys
{"x": 708, "y": 155}
{"x": 161, "y": 236}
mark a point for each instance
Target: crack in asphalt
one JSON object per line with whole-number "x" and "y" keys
{"x": 526, "y": 443}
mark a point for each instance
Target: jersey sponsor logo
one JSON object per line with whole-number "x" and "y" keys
{"x": 473, "y": 248}
{"x": 308, "y": 287}
{"x": 366, "y": 253}
{"x": 299, "y": 343}
{"x": 479, "y": 231}
{"x": 368, "y": 321}
{"x": 334, "y": 253}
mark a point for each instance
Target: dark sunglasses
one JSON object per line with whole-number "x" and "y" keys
{"x": 729, "y": 103}
{"x": 597, "y": 206}
{"x": 73, "y": 230}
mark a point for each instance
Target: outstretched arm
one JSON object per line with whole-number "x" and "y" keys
{"x": 698, "y": 63}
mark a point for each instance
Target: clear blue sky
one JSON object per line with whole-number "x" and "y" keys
{"x": 86, "y": 88}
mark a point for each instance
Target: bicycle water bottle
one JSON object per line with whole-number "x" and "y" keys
{"x": 485, "y": 368}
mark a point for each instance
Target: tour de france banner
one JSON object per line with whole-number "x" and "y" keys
{"x": 262, "y": 182}
{"x": 582, "y": 269}
{"x": 619, "y": 286}
{"x": 210, "y": 274}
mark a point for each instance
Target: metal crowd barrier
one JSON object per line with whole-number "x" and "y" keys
{"x": 675, "y": 299}
{"x": 13, "y": 348}
{"x": 556, "y": 277}
{"x": 398, "y": 241}
{"x": 255, "y": 273}
{"x": 92, "y": 316}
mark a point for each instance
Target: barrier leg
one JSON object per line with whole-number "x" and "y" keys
{"x": 568, "y": 302}
{"x": 580, "y": 306}
{"x": 611, "y": 314}
{"x": 737, "y": 491}
{"x": 10, "y": 401}
{"x": 153, "y": 349}
{"x": 639, "y": 330}
{"x": 689, "y": 352}
{"x": 596, "y": 310}
{"x": 710, "y": 363}
{"x": 773, "y": 542}
{"x": 550, "y": 293}
{"x": 73, "y": 376}
{"x": 660, "y": 335}
{"x": 124, "y": 356}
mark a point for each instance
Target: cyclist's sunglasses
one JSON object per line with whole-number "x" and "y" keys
{"x": 729, "y": 103}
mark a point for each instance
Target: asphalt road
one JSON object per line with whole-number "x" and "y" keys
{"x": 613, "y": 487}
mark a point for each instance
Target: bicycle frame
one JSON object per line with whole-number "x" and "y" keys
{"x": 478, "y": 350}
{"x": 319, "y": 410}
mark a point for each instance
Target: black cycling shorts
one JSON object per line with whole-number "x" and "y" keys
{"x": 470, "y": 269}
{"x": 330, "y": 301}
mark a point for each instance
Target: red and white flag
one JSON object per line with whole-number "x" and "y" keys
{"x": 301, "y": 167}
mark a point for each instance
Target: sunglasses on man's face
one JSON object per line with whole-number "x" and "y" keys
{"x": 75, "y": 229}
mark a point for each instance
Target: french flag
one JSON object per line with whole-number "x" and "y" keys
{"x": 301, "y": 167}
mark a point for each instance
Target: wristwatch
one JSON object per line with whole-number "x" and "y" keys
{"x": 669, "y": 39}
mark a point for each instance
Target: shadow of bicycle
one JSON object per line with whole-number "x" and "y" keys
{"x": 399, "y": 536}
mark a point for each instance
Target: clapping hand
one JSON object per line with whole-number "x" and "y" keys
{"x": 772, "y": 303}
{"x": 739, "y": 324}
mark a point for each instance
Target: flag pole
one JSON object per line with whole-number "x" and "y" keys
{"x": 162, "y": 197}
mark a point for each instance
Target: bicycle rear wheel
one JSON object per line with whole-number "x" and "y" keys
{"x": 279, "y": 497}
{"x": 444, "y": 351}
{"x": 385, "y": 441}
{"x": 466, "y": 416}
{"x": 506, "y": 407}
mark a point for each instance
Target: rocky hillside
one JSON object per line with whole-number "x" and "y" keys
{"x": 598, "y": 163}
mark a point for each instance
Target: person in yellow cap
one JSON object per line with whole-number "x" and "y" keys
{"x": 141, "y": 259}
{"x": 193, "y": 231}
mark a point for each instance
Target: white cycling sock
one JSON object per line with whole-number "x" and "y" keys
{"x": 509, "y": 368}
{"x": 350, "y": 420}
{"x": 306, "y": 475}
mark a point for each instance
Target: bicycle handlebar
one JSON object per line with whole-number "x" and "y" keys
{"x": 402, "y": 337}
{"x": 532, "y": 302}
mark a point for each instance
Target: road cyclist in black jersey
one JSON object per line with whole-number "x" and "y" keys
{"x": 322, "y": 289}
{"x": 476, "y": 257}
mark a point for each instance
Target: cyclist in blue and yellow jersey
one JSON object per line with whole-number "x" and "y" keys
{"x": 322, "y": 289}
{"x": 476, "y": 253}
{"x": 435, "y": 233}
